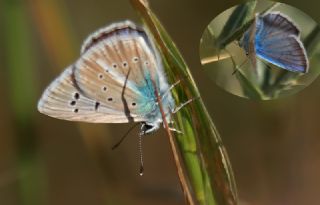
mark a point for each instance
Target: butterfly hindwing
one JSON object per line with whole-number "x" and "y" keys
{"x": 63, "y": 100}
{"x": 287, "y": 53}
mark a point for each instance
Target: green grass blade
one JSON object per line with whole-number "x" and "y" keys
{"x": 249, "y": 89}
{"x": 237, "y": 23}
{"x": 205, "y": 159}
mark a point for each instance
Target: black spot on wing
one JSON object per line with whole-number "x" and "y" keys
{"x": 76, "y": 96}
{"x": 96, "y": 105}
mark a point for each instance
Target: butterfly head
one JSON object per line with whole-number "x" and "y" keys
{"x": 154, "y": 122}
{"x": 154, "y": 118}
{"x": 149, "y": 127}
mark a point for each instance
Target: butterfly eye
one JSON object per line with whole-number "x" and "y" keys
{"x": 134, "y": 104}
{"x": 76, "y": 110}
{"x": 146, "y": 63}
{"x": 114, "y": 65}
{"x": 110, "y": 99}
{"x": 73, "y": 103}
{"x": 104, "y": 88}
{"x": 100, "y": 76}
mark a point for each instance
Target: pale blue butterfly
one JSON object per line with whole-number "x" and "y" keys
{"x": 112, "y": 82}
{"x": 274, "y": 37}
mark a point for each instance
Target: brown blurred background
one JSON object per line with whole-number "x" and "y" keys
{"x": 274, "y": 146}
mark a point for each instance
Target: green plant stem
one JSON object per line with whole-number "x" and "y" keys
{"x": 176, "y": 154}
{"x": 207, "y": 165}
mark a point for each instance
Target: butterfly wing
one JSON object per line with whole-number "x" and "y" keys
{"x": 287, "y": 53}
{"x": 277, "y": 41}
{"x": 63, "y": 100}
{"x": 112, "y": 82}
{"x": 273, "y": 23}
{"x": 118, "y": 71}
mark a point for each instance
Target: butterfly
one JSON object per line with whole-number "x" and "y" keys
{"x": 113, "y": 81}
{"x": 274, "y": 37}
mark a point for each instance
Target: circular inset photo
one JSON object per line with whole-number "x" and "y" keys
{"x": 261, "y": 50}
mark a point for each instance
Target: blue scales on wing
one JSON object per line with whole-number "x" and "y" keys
{"x": 277, "y": 40}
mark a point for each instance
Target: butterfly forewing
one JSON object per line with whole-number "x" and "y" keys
{"x": 63, "y": 100}
{"x": 118, "y": 71}
{"x": 274, "y": 24}
{"x": 277, "y": 41}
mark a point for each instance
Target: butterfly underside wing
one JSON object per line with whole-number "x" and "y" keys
{"x": 63, "y": 100}
{"x": 112, "y": 82}
{"x": 276, "y": 39}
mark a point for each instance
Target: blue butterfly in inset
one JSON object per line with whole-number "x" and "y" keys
{"x": 274, "y": 37}
{"x": 114, "y": 81}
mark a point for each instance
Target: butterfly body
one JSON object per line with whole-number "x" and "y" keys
{"x": 114, "y": 81}
{"x": 273, "y": 37}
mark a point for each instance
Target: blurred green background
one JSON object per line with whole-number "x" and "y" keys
{"x": 274, "y": 146}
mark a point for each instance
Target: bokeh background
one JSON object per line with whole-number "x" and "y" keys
{"x": 274, "y": 146}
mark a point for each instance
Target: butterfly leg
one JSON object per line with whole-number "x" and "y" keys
{"x": 175, "y": 130}
{"x": 237, "y": 68}
{"x": 170, "y": 88}
{"x": 177, "y": 110}
{"x": 184, "y": 104}
{"x": 174, "y": 84}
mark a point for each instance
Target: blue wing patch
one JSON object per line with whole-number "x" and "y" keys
{"x": 277, "y": 41}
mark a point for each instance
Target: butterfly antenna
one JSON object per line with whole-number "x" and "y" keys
{"x": 239, "y": 67}
{"x": 141, "y": 170}
{"x": 123, "y": 137}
